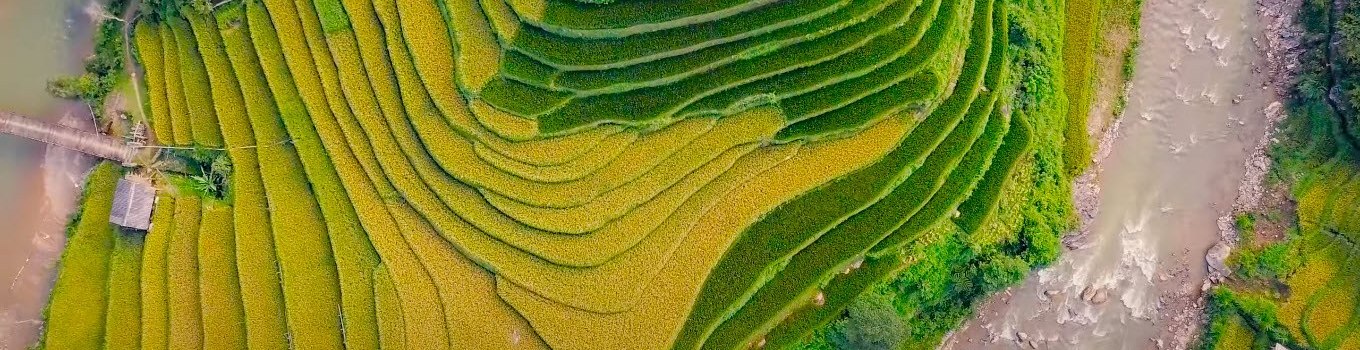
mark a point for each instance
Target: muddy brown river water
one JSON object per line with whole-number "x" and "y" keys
{"x": 39, "y": 40}
{"x": 1169, "y": 169}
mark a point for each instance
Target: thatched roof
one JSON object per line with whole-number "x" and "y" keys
{"x": 132, "y": 204}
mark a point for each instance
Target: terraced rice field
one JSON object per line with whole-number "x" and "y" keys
{"x": 424, "y": 174}
{"x": 1320, "y": 310}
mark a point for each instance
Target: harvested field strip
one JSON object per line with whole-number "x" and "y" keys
{"x": 155, "y": 318}
{"x": 391, "y": 329}
{"x": 174, "y": 93}
{"x": 660, "y": 313}
{"x": 307, "y": 268}
{"x": 220, "y": 288}
{"x": 151, "y": 55}
{"x": 568, "y": 53}
{"x": 930, "y": 21}
{"x": 569, "y": 18}
{"x": 649, "y": 105}
{"x": 728, "y": 133}
{"x": 765, "y": 248}
{"x": 181, "y": 256}
{"x": 79, "y": 301}
{"x": 672, "y": 69}
{"x": 257, "y": 258}
{"x": 196, "y": 88}
{"x": 123, "y": 321}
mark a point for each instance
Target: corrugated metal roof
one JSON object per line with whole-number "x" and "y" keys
{"x": 133, "y": 201}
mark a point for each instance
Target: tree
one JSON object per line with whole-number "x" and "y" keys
{"x": 871, "y": 323}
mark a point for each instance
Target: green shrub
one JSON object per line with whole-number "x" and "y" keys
{"x": 871, "y": 322}
{"x": 838, "y": 294}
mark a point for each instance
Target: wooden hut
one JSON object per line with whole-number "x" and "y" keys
{"x": 133, "y": 201}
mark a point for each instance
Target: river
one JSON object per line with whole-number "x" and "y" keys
{"x": 39, "y": 40}
{"x": 1165, "y": 173}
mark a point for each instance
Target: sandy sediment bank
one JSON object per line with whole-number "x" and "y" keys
{"x": 57, "y": 189}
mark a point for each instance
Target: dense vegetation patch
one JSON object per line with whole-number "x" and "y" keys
{"x": 1299, "y": 289}
{"x": 612, "y": 175}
